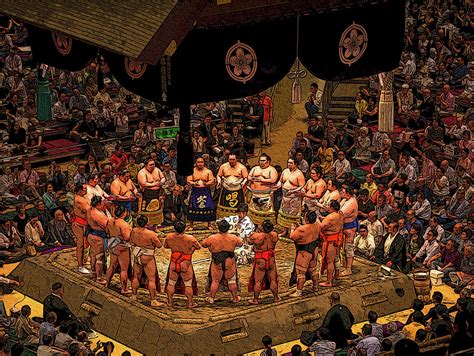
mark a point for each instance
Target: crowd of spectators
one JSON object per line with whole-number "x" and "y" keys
{"x": 414, "y": 185}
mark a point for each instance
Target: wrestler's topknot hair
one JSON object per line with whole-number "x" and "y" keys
{"x": 142, "y": 221}
{"x": 96, "y": 200}
{"x": 335, "y": 205}
{"x": 78, "y": 187}
{"x": 267, "y": 226}
{"x": 311, "y": 217}
{"x": 223, "y": 226}
{"x": 119, "y": 210}
{"x": 179, "y": 226}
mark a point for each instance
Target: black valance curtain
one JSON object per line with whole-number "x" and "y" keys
{"x": 235, "y": 61}
{"x": 353, "y": 43}
{"x": 59, "y": 50}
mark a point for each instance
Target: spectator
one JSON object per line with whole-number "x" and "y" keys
{"x": 364, "y": 243}
{"x": 365, "y": 205}
{"x": 377, "y": 329}
{"x": 59, "y": 231}
{"x": 428, "y": 250}
{"x": 78, "y": 100}
{"x": 313, "y": 105}
{"x": 267, "y": 344}
{"x": 391, "y": 250}
{"x": 410, "y": 330}
{"x": 47, "y": 328}
{"x": 369, "y": 342}
{"x": 323, "y": 346}
{"x": 34, "y": 232}
{"x": 341, "y": 166}
{"x": 374, "y": 226}
{"x": 26, "y": 329}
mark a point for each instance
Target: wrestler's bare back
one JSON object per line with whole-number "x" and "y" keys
{"x": 306, "y": 234}
{"x": 181, "y": 243}
{"x": 332, "y": 223}
{"x": 222, "y": 242}
{"x": 119, "y": 228}
{"x": 97, "y": 219}
{"x": 143, "y": 237}
{"x": 263, "y": 241}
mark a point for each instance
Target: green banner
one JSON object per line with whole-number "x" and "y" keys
{"x": 163, "y": 133}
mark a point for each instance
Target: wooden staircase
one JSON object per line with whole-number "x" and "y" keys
{"x": 339, "y": 99}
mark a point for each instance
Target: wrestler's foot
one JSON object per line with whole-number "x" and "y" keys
{"x": 325, "y": 284}
{"x": 102, "y": 281}
{"x": 133, "y": 297}
{"x": 276, "y": 300}
{"x": 83, "y": 270}
{"x": 193, "y": 305}
{"x": 154, "y": 303}
{"x": 210, "y": 300}
{"x": 209, "y": 227}
{"x": 126, "y": 292}
{"x": 170, "y": 304}
{"x": 237, "y": 299}
{"x": 315, "y": 288}
{"x": 346, "y": 273}
{"x": 253, "y": 301}
{"x": 296, "y": 294}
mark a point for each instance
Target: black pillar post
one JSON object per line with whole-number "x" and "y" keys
{"x": 185, "y": 147}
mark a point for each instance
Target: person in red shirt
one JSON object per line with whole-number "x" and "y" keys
{"x": 119, "y": 160}
{"x": 267, "y": 104}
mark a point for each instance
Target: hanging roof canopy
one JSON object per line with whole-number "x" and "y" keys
{"x": 145, "y": 30}
{"x": 137, "y": 29}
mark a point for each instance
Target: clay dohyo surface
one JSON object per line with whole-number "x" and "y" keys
{"x": 222, "y": 328}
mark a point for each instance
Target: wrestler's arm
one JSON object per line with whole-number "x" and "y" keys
{"x": 126, "y": 231}
{"x": 143, "y": 182}
{"x": 162, "y": 178}
{"x": 245, "y": 175}
{"x": 206, "y": 242}
{"x": 196, "y": 244}
{"x": 211, "y": 179}
{"x": 239, "y": 241}
{"x": 115, "y": 190}
{"x": 273, "y": 177}
{"x": 166, "y": 244}
{"x": 301, "y": 180}
{"x": 156, "y": 241}
{"x": 297, "y": 234}
{"x": 250, "y": 176}
{"x": 190, "y": 180}
{"x": 220, "y": 173}
{"x": 274, "y": 236}
{"x": 252, "y": 239}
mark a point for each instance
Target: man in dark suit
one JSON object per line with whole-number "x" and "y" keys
{"x": 391, "y": 251}
{"x": 206, "y": 126}
{"x": 173, "y": 206}
{"x": 338, "y": 321}
{"x": 55, "y": 303}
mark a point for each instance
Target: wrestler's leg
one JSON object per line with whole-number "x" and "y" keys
{"x": 313, "y": 270}
{"x": 150, "y": 271}
{"x": 187, "y": 274}
{"x": 216, "y": 276}
{"x": 259, "y": 274}
{"x": 78, "y": 231}
{"x": 124, "y": 262}
{"x": 272, "y": 275}
{"x": 231, "y": 276}
{"x": 137, "y": 273}
{"x": 349, "y": 251}
{"x": 92, "y": 254}
{"x": 99, "y": 258}
{"x": 330, "y": 256}
{"x": 172, "y": 278}
{"x": 110, "y": 271}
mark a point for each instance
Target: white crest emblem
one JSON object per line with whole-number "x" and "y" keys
{"x": 241, "y": 62}
{"x": 352, "y": 44}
